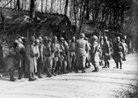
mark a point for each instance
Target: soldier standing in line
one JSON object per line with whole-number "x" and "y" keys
{"x": 95, "y": 52}
{"x": 30, "y": 58}
{"x": 117, "y": 54}
{"x": 11, "y": 63}
{"x": 47, "y": 56}
{"x": 63, "y": 56}
{"x": 125, "y": 47}
{"x": 37, "y": 52}
{"x": 21, "y": 58}
{"x": 106, "y": 52}
{"x": 81, "y": 49}
{"x": 55, "y": 49}
{"x": 40, "y": 65}
{"x": 88, "y": 64}
{"x": 72, "y": 53}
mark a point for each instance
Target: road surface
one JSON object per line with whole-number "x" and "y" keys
{"x": 108, "y": 83}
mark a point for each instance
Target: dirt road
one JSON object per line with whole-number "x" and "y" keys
{"x": 108, "y": 83}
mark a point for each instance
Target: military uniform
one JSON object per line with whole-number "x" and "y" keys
{"x": 118, "y": 50}
{"x": 72, "y": 54}
{"x": 95, "y": 52}
{"x": 55, "y": 50}
{"x": 106, "y": 53}
{"x": 81, "y": 49}
{"x": 11, "y": 63}
{"x": 47, "y": 58}
{"x": 21, "y": 59}
{"x": 30, "y": 59}
{"x": 63, "y": 57}
{"x": 40, "y": 65}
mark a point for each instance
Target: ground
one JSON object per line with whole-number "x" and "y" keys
{"x": 108, "y": 83}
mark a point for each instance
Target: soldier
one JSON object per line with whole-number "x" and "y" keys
{"x": 55, "y": 50}
{"x": 72, "y": 52}
{"x": 125, "y": 47}
{"x": 11, "y": 63}
{"x": 63, "y": 56}
{"x": 88, "y": 64}
{"x": 118, "y": 50}
{"x": 21, "y": 58}
{"x": 40, "y": 65}
{"x": 30, "y": 58}
{"x": 95, "y": 49}
{"x": 47, "y": 56}
{"x": 37, "y": 52}
{"x": 81, "y": 49}
{"x": 106, "y": 52}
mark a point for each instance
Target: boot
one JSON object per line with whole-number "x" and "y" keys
{"x": 96, "y": 69}
{"x": 20, "y": 73}
{"x": 53, "y": 72}
{"x": 39, "y": 75}
{"x": 31, "y": 77}
{"x": 83, "y": 70}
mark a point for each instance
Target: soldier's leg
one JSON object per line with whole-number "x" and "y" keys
{"x": 73, "y": 62}
{"x": 50, "y": 65}
{"x": 96, "y": 66}
{"x": 59, "y": 67}
{"x": 47, "y": 62}
{"x": 31, "y": 77}
{"x": 83, "y": 63}
{"x": 116, "y": 64}
{"x": 120, "y": 62}
{"x": 65, "y": 66}
{"x": 77, "y": 63}
{"x": 39, "y": 68}
{"x": 108, "y": 64}
{"x": 54, "y": 65}
{"x": 11, "y": 72}
{"x": 20, "y": 72}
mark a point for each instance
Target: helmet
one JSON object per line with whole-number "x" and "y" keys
{"x": 46, "y": 38}
{"x": 16, "y": 41}
{"x": 95, "y": 37}
{"x": 32, "y": 39}
{"x": 20, "y": 40}
{"x": 118, "y": 38}
{"x": 49, "y": 39}
{"x": 40, "y": 38}
{"x": 61, "y": 38}
{"x": 37, "y": 40}
{"x": 55, "y": 38}
{"x": 82, "y": 35}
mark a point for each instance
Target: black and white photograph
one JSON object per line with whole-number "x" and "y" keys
{"x": 68, "y": 48}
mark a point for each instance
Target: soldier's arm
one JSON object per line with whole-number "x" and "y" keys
{"x": 87, "y": 47}
{"x": 27, "y": 52}
{"x": 38, "y": 51}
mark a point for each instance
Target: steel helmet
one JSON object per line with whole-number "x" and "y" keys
{"x": 95, "y": 37}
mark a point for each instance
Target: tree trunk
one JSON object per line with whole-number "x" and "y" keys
{"x": 42, "y": 5}
{"x": 87, "y": 9}
{"x": 46, "y": 5}
{"x": 74, "y": 11}
{"x": 32, "y": 8}
{"x": 25, "y": 4}
{"x": 18, "y": 5}
{"x": 51, "y": 7}
{"x": 66, "y": 7}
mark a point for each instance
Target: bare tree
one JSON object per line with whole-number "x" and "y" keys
{"x": 46, "y": 5}
{"x": 66, "y": 7}
{"x": 32, "y": 8}
{"x": 18, "y": 5}
{"x": 42, "y": 1}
